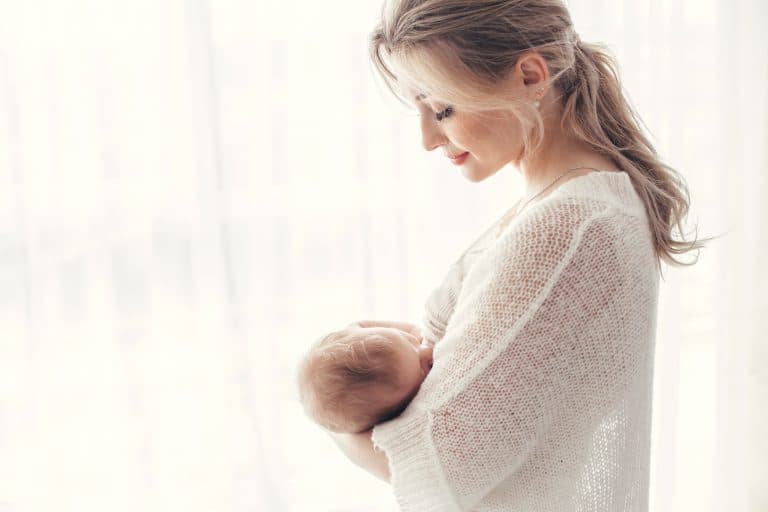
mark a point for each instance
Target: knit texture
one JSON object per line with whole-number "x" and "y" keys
{"x": 539, "y": 398}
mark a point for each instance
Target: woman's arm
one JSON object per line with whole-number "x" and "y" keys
{"x": 359, "y": 449}
{"x": 523, "y": 352}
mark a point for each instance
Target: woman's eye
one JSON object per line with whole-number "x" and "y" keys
{"x": 445, "y": 113}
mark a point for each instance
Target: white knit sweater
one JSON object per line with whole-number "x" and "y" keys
{"x": 540, "y": 394}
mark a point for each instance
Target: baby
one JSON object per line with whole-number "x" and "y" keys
{"x": 354, "y": 378}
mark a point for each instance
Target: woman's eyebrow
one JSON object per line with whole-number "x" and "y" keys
{"x": 420, "y": 97}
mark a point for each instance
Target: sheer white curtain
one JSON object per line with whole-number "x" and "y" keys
{"x": 192, "y": 191}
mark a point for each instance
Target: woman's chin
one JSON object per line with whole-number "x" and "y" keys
{"x": 470, "y": 177}
{"x": 472, "y": 174}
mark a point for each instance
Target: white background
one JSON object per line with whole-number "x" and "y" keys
{"x": 192, "y": 191}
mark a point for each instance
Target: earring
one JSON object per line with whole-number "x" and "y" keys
{"x": 537, "y": 103}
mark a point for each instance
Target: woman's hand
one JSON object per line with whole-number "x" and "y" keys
{"x": 403, "y": 326}
{"x": 359, "y": 449}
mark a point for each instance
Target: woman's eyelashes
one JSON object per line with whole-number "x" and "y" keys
{"x": 447, "y": 112}
{"x": 444, "y": 113}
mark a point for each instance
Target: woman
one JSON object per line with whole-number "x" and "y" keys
{"x": 540, "y": 393}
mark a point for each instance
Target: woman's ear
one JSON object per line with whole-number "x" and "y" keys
{"x": 527, "y": 76}
{"x": 533, "y": 69}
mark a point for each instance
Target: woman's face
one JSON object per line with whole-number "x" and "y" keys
{"x": 487, "y": 141}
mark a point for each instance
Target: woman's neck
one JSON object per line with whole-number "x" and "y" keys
{"x": 559, "y": 152}
{"x": 558, "y": 159}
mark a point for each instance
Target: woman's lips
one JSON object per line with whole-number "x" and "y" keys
{"x": 459, "y": 159}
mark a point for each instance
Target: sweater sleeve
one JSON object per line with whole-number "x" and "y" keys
{"x": 440, "y": 305}
{"x": 441, "y": 302}
{"x": 522, "y": 337}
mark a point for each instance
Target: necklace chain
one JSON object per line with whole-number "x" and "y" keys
{"x": 517, "y": 210}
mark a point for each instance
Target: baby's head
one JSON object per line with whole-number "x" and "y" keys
{"x": 352, "y": 379}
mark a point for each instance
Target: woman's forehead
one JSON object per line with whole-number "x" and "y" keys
{"x": 411, "y": 91}
{"x": 416, "y": 95}
{"x": 411, "y": 88}
{"x": 415, "y": 88}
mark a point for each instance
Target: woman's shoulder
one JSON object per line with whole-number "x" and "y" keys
{"x": 594, "y": 215}
{"x": 576, "y": 201}
{"x": 614, "y": 188}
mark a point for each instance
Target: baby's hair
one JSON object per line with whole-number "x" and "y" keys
{"x": 337, "y": 376}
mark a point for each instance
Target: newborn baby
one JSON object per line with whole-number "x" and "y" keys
{"x": 352, "y": 379}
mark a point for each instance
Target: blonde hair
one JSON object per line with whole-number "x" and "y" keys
{"x": 461, "y": 50}
{"x": 339, "y": 373}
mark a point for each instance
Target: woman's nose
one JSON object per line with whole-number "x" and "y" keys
{"x": 431, "y": 136}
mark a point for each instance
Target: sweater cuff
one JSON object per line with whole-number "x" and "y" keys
{"x": 429, "y": 337}
{"x": 416, "y": 477}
